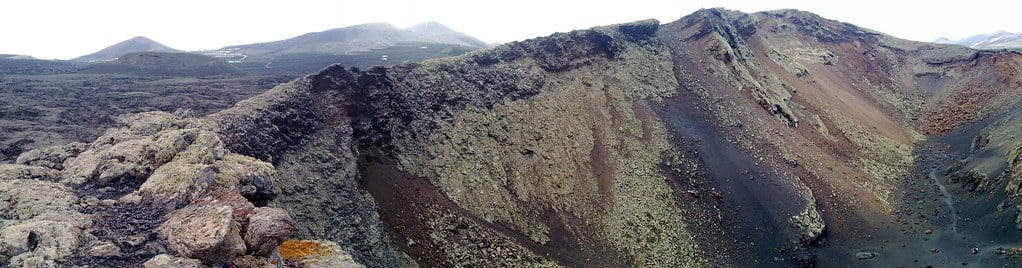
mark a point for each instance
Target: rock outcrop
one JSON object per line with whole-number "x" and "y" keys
{"x": 24, "y": 172}
{"x": 51, "y": 157}
{"x": 40, "y": 225}
{"x": 605, "y": 144}
{"x": 132, "y": 178}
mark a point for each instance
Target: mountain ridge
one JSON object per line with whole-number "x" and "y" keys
{"x": 723, "y": 138}
{"x": 362, "y": 45}
{"x": 996, "y": 40}
{"x": 134, "y": 44}
{"x": 766, "y": 64}
{"x": 362, "y": 37}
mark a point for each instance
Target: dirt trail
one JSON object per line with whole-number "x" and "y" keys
{"x": 948, "y": 199}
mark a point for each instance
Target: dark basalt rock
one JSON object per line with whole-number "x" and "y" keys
{"x": 640, "y": 29}
{"x": 564, "y": 51}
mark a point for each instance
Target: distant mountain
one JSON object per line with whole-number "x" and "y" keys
{"x": 943, "y": 40}
{"x": 998, "y": 40}
{"x": 434, "y": 32}
{"x": 22, "y": 64}
{"x": 164, "y": 63}
{"x": 359, "y": 45}
{"x": 135, "y": 44}
{"x": 335, "y": 41}
{"x": 357, "y": 39}
{"x": 15, "y": 57}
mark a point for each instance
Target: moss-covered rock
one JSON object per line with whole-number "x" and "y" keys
{"x": 24, "y": 172}
{"x": 51, "y": 157}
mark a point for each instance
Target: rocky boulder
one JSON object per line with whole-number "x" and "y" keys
{"x": 132, "y": 177}
{"x": 51, "y": 157}
{"x": 241, "y": 208}
{"x": 267, "y": 228}
{"x": 316, "y": 254}
{"x": 29, "y": 199}
{"x": 220, "y": 228}
{"x": 167, "y": 261}
{"x": 24, "y": 172}
{"x": 39, "y": 223}
{"x": 204, "y": 168}
{"x": 204, "y": 232}
{"x": 161, "y": 155}
{"x": 129, "y": 153}
{"x": 254, "y": 262}
{"x": 810, "y": 225}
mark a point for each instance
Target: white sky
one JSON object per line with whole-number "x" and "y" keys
{"x": 67, "y": 29}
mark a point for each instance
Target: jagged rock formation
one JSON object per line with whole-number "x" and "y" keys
{"x": 722, "y": 139}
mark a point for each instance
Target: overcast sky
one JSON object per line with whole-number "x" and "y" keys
{"x": 67, "y": 29}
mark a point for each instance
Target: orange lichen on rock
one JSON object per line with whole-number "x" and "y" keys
{"x": 294, "y": 250}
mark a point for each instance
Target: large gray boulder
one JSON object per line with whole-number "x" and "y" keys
{"x": 204, "y": 232}
{"x": 267, "y": 228}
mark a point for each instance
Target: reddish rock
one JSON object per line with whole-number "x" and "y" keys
{"x": 241, "y": 208}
